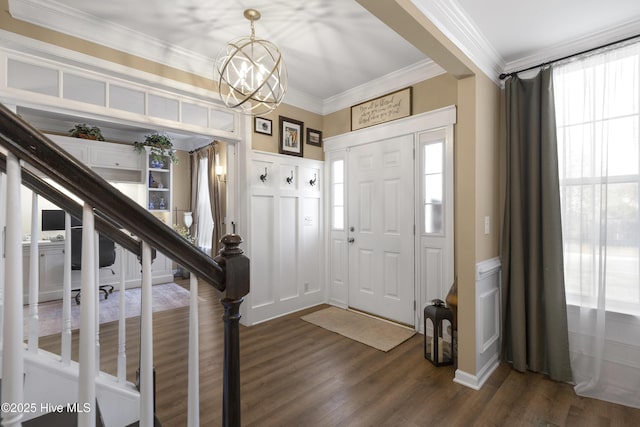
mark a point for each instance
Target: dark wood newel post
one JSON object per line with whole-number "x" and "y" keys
{"x": 236, "y": 267}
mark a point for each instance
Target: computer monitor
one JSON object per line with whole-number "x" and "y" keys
{"x": 53, "y": 220}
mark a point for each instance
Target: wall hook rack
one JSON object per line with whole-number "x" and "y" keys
{"x": 290, "y": 178}
{"x": 312, "y": 182}
{"x": 263, "y": 177}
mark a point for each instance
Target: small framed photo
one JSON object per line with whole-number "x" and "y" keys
{"x": 262, "y": 126}
{"x": 291, "y": 140}
{"x": 314, "y": 137}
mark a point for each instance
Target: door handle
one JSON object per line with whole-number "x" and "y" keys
{"x": 351, "y": 240}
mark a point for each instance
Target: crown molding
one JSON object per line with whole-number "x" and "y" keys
{"x": 300, "y": 99}
{"x": 561, "y": 50}
{"x": 398, "y": 79}
{"x": 449, "y": 17}
{"x": 61, "y": 18}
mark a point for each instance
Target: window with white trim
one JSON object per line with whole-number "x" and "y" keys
{"x": 337, "y": 194}
{"x": 432, "y": 183}
{"x": 598, "y": 119}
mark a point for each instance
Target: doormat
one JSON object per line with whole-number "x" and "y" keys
{"x": 166, "y": 296}
{"x": 377, "y": 333}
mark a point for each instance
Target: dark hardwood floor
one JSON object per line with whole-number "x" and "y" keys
{"x": 297, "y": 374}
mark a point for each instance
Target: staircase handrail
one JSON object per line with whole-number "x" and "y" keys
{"x": 27, "y": 143}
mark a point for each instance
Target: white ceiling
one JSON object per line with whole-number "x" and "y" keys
{"x": 333, "y": 46}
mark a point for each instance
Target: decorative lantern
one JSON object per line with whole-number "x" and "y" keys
{"x": 438, "y": 333}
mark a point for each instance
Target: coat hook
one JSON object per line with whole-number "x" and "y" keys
{"x": 312, "y": 182}
{"x": 290, "y": 178}
{"x": 263, "y": 177}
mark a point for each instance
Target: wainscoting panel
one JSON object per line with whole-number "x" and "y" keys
{"x": 488, "y": 329}
{"x": 310, "y": 250}
{"x": 262, "y": 267}
{"x": 285, "y": 241}
{"x": 288, "y": 240}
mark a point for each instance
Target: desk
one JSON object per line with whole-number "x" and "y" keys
{"x": 51, "y": 270}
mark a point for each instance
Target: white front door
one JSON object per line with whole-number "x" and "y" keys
{"x": 381, "y": 228}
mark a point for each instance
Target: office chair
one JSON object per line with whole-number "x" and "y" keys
{"x": 106, "y": 258}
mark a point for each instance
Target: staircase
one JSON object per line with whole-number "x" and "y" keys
{"x": 57, "y": 390}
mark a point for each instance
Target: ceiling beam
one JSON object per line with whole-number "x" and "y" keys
{"x": 407, "y": 20}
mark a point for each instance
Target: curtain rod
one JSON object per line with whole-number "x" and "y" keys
{"x": 203, "y": 147}
{"x": 505, "y": 75}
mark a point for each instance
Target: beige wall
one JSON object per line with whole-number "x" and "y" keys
{"x": 465, "y": 235}
{"x": 428, "y": 95}
{"x": 487, "y": 168}
{"x": 268, "y": 143}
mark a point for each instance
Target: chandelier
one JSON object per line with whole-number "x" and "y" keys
{"x": 252, "y": 77}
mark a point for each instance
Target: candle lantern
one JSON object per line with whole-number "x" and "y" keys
{"x": 438, "y": 333}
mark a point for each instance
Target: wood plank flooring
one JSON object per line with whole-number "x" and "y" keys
{"x": 297, "y": 374}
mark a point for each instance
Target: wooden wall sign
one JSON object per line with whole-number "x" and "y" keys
{"x": 392, "y": 106}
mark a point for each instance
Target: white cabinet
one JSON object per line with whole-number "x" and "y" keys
{"x": 50, "y": 270}
{"x": 116, "y": 156}
{"x": 114, "y": 162}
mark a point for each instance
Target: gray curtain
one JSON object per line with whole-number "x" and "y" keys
{"x": 535, "y": 312}
{"x": 214, "y": 198}
{"x": 209, "y": 152}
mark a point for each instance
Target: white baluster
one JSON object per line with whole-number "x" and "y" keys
{"x": 97, "y": 300}
{"x": 122, "y": 319}
{"x": 87, "y": 384}
{"x": 146, "y": 341}
{"x": 193, "y": 394}
{"x": 65, "y": 350}
{"x": 34, "y": 278}
{"x": 13, "y": 357}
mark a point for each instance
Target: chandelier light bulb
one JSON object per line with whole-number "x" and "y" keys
{"x": 251, "y": 74}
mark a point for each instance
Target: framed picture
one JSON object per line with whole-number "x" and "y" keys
{"x": 314, "y": 137}
{"x": 261, "y": 125}
{"x": 291, "y": 136}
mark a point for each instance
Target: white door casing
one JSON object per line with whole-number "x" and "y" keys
{"x": 380, "y": 225}
{"x": 433, "y": 252}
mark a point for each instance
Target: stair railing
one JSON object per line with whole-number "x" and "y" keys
{"x": 103, "y": 204}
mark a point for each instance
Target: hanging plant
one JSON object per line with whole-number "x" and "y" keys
{"x": 85, "y": 131}
{"x": 161, "y": 147}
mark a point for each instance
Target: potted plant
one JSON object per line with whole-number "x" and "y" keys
{"x": 86, "y": 132}
{"x": 161, "y": 147}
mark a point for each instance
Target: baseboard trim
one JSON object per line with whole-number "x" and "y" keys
{"x": 295, "y": 310}
{"x": 477, "y": 381}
